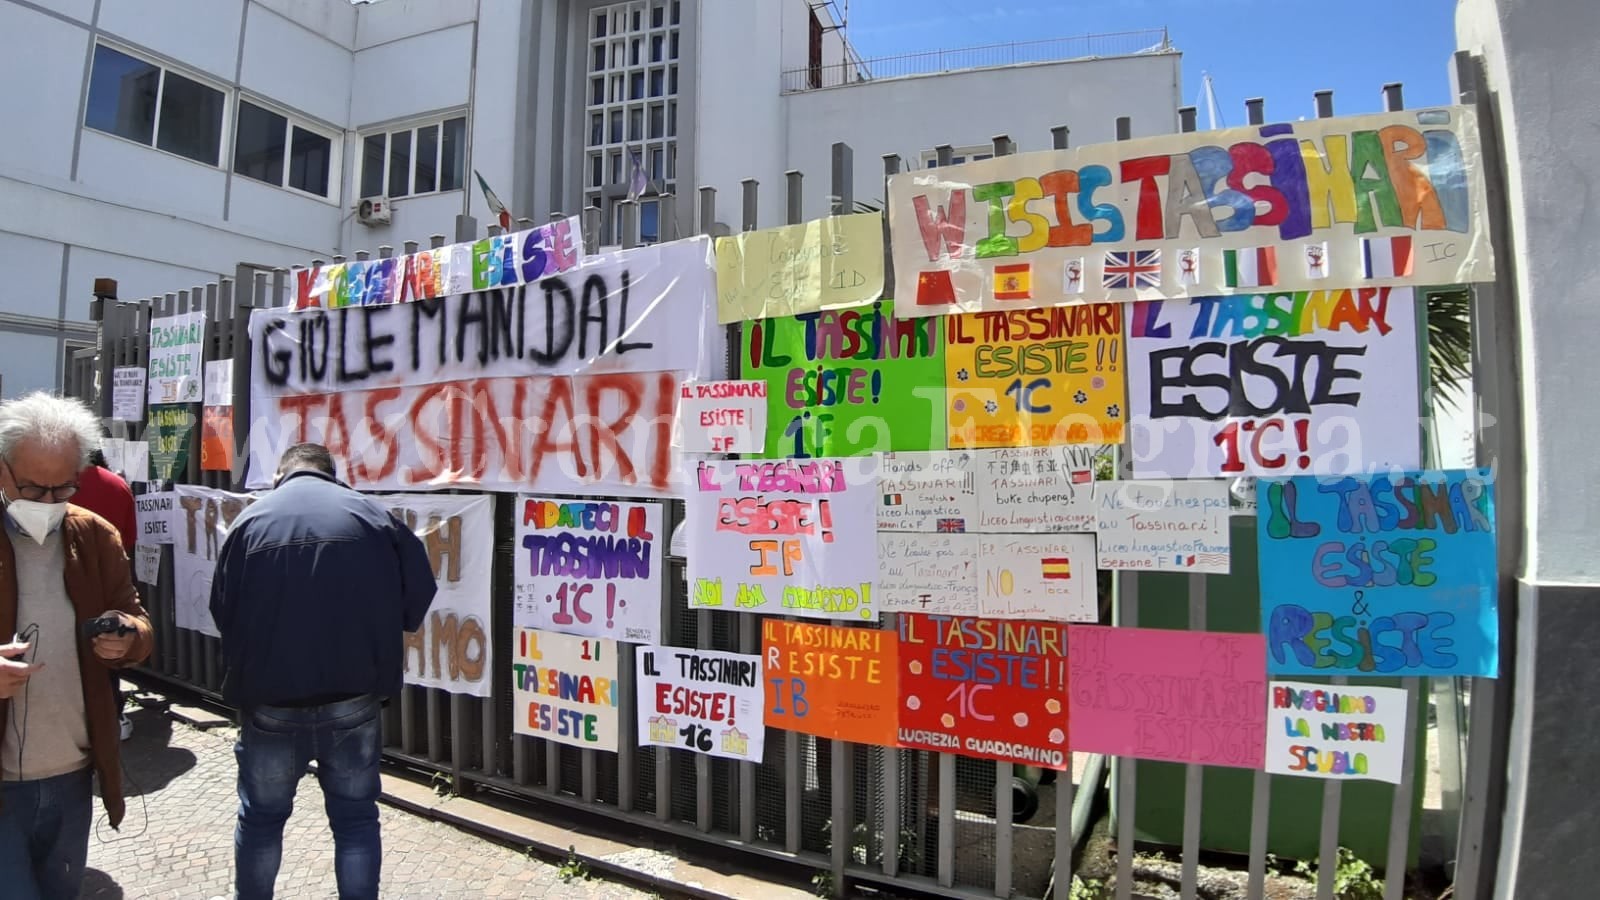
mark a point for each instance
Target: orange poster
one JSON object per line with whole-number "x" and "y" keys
{"x": 832, "y": 681}
{"x": 216, "y": 439}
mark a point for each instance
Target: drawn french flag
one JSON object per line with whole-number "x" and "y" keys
{"x": 1387, "y": 257}
{"x": 1251, "y": 267}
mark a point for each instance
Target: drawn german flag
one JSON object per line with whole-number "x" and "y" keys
{"x": 1056, "y": 567}
{"x": 1013, "y": 282}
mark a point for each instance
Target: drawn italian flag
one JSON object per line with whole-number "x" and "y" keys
{"x": 1387, "y": 257}
{"x": 1253, "y": 267}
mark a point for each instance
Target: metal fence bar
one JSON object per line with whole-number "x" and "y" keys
{"x": 1124, "y": 770}
{"x": 947, "y": 819}
{"x": 1002, "y": 828}
{"x": 1394, "y": 883}
{"x": 1260, "y": 813}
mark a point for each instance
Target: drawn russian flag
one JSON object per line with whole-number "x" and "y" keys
{"x": 1387, "y": 257}
{"x": 1253, "y": 267}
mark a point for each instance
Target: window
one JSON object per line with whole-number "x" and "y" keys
{"x": 616, "y": 126}
{"x": 597, "y": 91}
{"x": 674, "y": 12}
{"x": 657, "y": 14}
{"x": 597, "y": 130}
{"x": 596, "y": 171}
{"x": 635, "y": 116}
{"x": 649, "y": 222}
{"x": 674, "y": 44}
{"x": 657, "y": 121}
{"x": 672, "y": 81}
{"x": 657, "y": 157}
{"x": 421, "y": 160}
{"x": 657, "y": 85}
{"x": 655, "y": 49}
{"x": 814, "y": 53}
{"x": 600, "y": 26}
{"x": 636, "y": 86}
{"x": 263, "y": 140}
{"x": 599, "y": 58}
{"x": 310, "y": 161}
{"x": 636, "y": 124}
{"x": 145, "y": 103}
{"x": 958, "y": 155}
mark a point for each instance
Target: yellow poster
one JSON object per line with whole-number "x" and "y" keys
{"x": 1033, "y": 377}
{"x": 823, "y": 264}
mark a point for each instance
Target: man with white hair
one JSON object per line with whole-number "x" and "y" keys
{"x": 67, "y": 595}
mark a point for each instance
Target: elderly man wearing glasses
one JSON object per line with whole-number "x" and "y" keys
{"x": 67, "y": 596}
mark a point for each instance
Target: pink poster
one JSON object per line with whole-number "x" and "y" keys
{"x": 1178, "y": 696}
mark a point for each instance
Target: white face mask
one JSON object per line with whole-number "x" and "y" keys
{"x": 36, "y": 520}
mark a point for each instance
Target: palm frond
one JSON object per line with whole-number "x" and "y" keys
{"x": 1449, "y": 342}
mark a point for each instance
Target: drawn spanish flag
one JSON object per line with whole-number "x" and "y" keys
{"x": 934, "y": 289}
{"x": 1013, "y": 282}
{"x": 1056, "y": 567}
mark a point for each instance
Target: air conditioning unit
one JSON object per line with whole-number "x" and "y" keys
{"x": 373, "y": 211}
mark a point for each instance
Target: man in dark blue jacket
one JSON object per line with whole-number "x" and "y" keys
{"x": 314, "y": 588}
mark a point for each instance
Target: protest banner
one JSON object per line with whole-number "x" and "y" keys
{"x": 1336, "y": 732}
{"x": 146, "y": 563}
{"x": 200, "y": 522}
{"x": 1036, "y": 489}
{"x": 507, "y": 260}
{"x": 931, "y": 492}
{"x": 565, "y": 688}
{"x": 792, "y": 269}
{"x": 589, "y": 567}
{"x": 1037, "y": 576}
{"x": 1389, "y": 199}
{"x": 1379, "y": 575}
{"x": 848, "y": 382}
{"x": 986, "y": 689}
{"x": 831, "y": 681}
{"x": 453, "y": 650}
{"x": 701, "y": 700}
{"x": 1163, "y": 526}
{"x": 721, "y": 417}
{"x": 216, "y": 438}
{"x": 927, "y": 573}
{"x": 1035, "y": 377}
{"x": 783, "y": 538}
{"x": 219, "y": 383}
{"x": 602, "y": 434}
{"x": 171, "y": 432}
{"x": 128, "y": 393}
{"x": 1275, "y": 384}
{"x": 153, "y": 515}
{"x": 1179, "y": 696}
{"x": 177, "y": 346}
{"x": 136, "y": 456}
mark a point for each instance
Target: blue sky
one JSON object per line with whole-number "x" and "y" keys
{"x": 1283, "y": 50}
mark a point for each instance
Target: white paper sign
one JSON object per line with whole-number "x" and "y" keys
{"x": 1163, "y": 526}
{"x": 564, "y": 688}
{"x": 219, "y": 383}
{"x": 115, "y": 450}
{"x": 1336, "y": 732}
{"x": 589, "y": 567}
{"x": 928, "y": 573}
{"x": 1037, "y": 576}
{"x": 146, "y": 563}
{"x": 702, "y": 700}
{"x": 200, "y": 524}
{"x": 136, "y": 456}
{"x": 153, "y": 512}
{"x": 927, "y": 492}
{"x": 127, "y": 393}
{"x": 722, "y": 417}
{"x": 1036, "y": 489}
{"x": 177, "y": 346}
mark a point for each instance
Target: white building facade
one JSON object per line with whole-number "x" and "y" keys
{"x": 161, "y": 143}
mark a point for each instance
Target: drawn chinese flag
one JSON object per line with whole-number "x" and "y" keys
{"x": 934, "y": 289}
{"x": 1013, "y": 282}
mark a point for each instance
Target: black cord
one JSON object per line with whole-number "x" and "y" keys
{"x": 29, "y": 635}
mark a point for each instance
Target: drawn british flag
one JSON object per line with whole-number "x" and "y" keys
{"x": 951, "y": 526}
{"x": 1132, "y": 269}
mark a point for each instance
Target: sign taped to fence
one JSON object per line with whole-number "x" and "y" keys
{"x": 115, "y": 450}
{"x": 936, "y": 573}
{"x": 849, "y": 382}
{"x": 1336, "y": 732}
{"x": 1034, "y": 377}
{"x": 565, "y": 688}
{"x": 831, "y": 681}
{"x": 793, "y": 538}
{"x": 1163, "y": 526}
{"x": 153, "y": 512}
{"x": 1037, "y": 576}
{"x": 128, "y": 393}
{"x": 219, "y": 383}
{"x": 598, "y": 434}
{"x": 722, "y": 417}
{"x": 454, "y": 648}
{"x": 146, "y": 563}
{"x": 1275, "y": 384}
{"x": 1389, "y": 199}
{"x": 177, "y": 346}
{"x": 826, "y": 263}
{"x": 200, "y": 522}
{"x": 705, "y": 701}
{"x": 1380, "y": 575}
{"x": 933, "y": 492}
{"x": 1036, "y": 489}
{"x": 136, "y": 456}
{"x": 1179, "y": 696}
{"x": 977, "y": 687}
{"x": 589, "y": 567}
{"x": 216, "y": 439}
{"x": 171, "y": 436}
{"x": 640, "y": 310}
{"x": 507, "y": 260}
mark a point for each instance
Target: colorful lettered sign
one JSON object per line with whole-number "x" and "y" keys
{"x": 1163, "y": 526}
{"x": 701, "y": 700}
{"x": 831, "y": 681}
{"x": 177, "y": 346}
{"x": 589, "y": 567}
{"x": 721, "y": 417}
{"x": 1336, "y": 732}
{"x": 565, "y": 688}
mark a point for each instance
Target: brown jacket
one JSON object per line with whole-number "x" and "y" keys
{"x": 98, "y": 580}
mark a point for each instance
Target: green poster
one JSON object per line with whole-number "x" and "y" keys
{"x": 169, "y": 434}
{"x": 848, "y": 382}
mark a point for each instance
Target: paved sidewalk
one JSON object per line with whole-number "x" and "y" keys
{"x": 177, "y": 839}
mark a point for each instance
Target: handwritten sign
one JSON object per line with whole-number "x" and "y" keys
{"x": 1179, "y": 696}
{"x": 927, "y": 572}
{"x": 146, "y": 563}
{"x": 136, "y": 456}
{"x": 453, "y": 650}
{"x": 1164, "y": 526}
{"x": 128, "y": 393}
{"x": 831, "y": 681}
{"x": 823, "y": 264}
{"x": 722, "y": 417}
{"x": 1339, "y": 733}
{"x": 785, "y": 538}
{"x": 1382, "y": 575}
{"x": 1036, "y": 377}
{"x": 170, "y": 436}
{"x": 177, "y": 346}
{"x": 200, "y": 521}
{"x": 1037, "y": 576}
{"x": 216, "y": 439}
{"x": 565, "y": 688}
{"x": 1036, "y": 489}
{"x": 1275, "y": 384}
{"x": 927, "y": 491}
{"x": 849, "y": 382}
{"x": 703, "y": 701}
{"x": 1383, "y": 200}
{"x": 115, "y": 450}
{"x": 589, "y": 567}
{"x": 219, "y": 383}
{"x": 153, "y": 515}
{"x": 977, "y": 687}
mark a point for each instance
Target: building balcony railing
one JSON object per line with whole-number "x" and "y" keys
{"x": 988, "y": 56}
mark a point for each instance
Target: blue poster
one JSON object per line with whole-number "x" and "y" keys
{"x": 1379, "y": 574}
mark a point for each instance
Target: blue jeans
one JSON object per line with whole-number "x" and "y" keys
{"x": 276, "y": 746}
{"x": 44, "y": 836}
